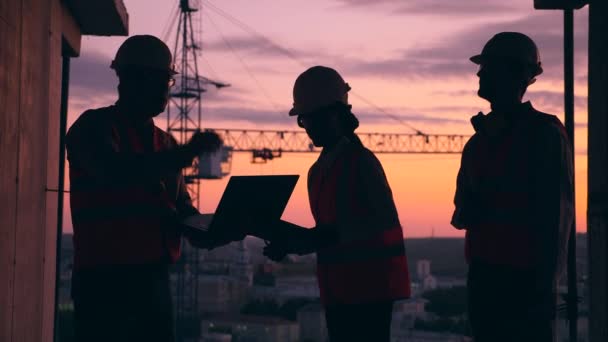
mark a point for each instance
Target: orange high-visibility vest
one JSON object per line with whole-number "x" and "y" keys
{"x": 503, "y": 232}
{"x": 122, "y": 223}
{"x": 360, "y": 271}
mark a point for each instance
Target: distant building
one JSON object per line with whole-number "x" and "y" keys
{"x": 233, "y": 259}
{"x": 423, "y": 269}
{"x": 215, "y": 337}
{"x": 402, "y": 325}
{"x": 297, "y": 287}
{"x": 66, "y": 265}
{"x": 313, "y": 327}
{"x": 405, "y": 314}
{"x": 447, "y": 282}
{"x": 241, "y": 267}
{"x": 252, "y": 328}
{"x": 429, "y": 283}
{"x": 220, "y": 294}
{"x": 412, "y": 306}
{"x": 429, "y": 336}
{"x": 223, "y": 276}
{"x": 286, "y": 288}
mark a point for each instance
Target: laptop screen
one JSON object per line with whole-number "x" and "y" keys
{"x": 261, "y": 199}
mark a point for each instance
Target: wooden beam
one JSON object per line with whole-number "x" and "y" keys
{"x": 52, "y": 166}
{"x": 31, "y": 200}
{"x": 10, "y": 66}
{"x": 72, "y": 34}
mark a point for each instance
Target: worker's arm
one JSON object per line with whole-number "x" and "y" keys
{"x": 372, "y": 209}
{"x": 462, "y": 199}
{"x": 553, "y": 200}
{"x": 91, "y": 147}
{"x": 183, "y": 202}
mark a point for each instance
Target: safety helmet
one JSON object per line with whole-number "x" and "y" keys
{"x": 316, "y": 88}
{"x": 144, "y": 51}
{"x": 511, "y": 47}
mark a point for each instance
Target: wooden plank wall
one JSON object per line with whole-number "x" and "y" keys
{"x": 52, "y": 164}
{"x": 30, "y": 88}
{"x": 10, "y": 72}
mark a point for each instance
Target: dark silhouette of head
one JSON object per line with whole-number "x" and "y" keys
{"x": 145, "y": 70}
{"x": 320, "y": 101}
{"x": 508, "y": 64}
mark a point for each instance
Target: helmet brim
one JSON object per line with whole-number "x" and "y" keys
{"x": 116, "y": 66}
{"x": 477, "y": 59}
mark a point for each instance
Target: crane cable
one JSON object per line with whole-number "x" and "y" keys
{"x": 245, "y": 66}
{"x": 292, "y": 56}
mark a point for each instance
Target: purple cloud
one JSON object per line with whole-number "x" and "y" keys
{"x": 91, "y": 72}
{"x": 437, "y": 7}
{"x": 449, "y": 57}
{"x": 273, "y": 118}
{"x": 553, "y": 101}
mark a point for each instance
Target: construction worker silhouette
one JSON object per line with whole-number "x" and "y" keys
{"x": 127, "y": 198}
{"x": 514, "y": 198}
{"x": 361, "y": 262}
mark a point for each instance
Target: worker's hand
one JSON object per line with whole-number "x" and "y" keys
{"x": 208, "y": 240}
{"x": 207, "y": 141}
{"x": 275, "y": 252}
{"x": 200, "y": 239}
{"x": 230, "y": 235}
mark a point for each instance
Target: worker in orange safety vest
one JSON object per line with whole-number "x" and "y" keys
{"x": 127, "y": 198}
{"x": 514, "y": 198}
{"x": 358, "y": 239}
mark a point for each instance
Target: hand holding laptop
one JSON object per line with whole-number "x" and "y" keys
{"x": 289, "y": 238}
{"x": 250, "y": 204}
{"x": 196, "y": 230}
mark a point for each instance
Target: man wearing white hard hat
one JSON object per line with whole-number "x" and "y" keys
{"x": 514, "y": 198}
{"x": 127, "y": 198}
{"x": 358, "y": 239}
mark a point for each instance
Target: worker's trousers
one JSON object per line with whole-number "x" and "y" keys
{"x": 123, "y": 303}
{"x": 506, "y": 305}
{"x": 359, "y": 322}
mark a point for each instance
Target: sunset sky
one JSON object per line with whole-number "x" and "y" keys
{"x": 410, "y": 57}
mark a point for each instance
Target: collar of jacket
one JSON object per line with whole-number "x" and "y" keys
{"x": 122, "y": 117}
{"x": 493, "y": 124}
{"x": 329, "y": 156}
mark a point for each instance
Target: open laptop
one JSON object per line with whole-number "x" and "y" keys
{"x": 247, "y": 198}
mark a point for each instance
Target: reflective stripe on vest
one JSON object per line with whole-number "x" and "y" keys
{"x": 503, "y": 233}
{"x": 361, "y": 271}
{"x": 121, "y": 223}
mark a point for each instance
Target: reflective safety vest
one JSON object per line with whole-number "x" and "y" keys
{"x": 364, "y": 270}
{"x": 502, "y": 177}
{"x": 122, "y": 222}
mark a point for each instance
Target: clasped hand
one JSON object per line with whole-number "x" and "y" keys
{"x": 209, "y": 240}
{"x": 292, "y": 239}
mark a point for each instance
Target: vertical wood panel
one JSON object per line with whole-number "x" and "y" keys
{"x": 31, "y": 211}
{"x": 52, "y": 167}
{"x": 10, "y": 12}
{"x": 10, "y": 36}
